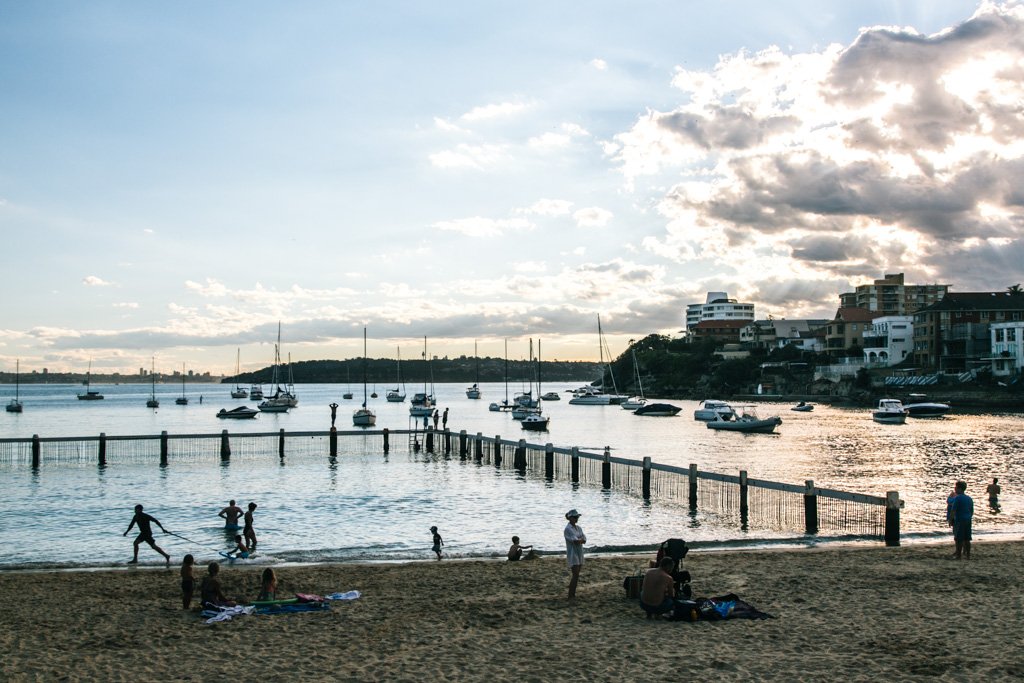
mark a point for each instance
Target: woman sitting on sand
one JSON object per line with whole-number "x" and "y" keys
{"x": 210, "y": 592}
{"x": 268, "y": 586}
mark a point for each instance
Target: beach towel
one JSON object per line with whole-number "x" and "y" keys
{"x": 226, "y": 613}
{"x": 350, "y": 595}
{"x": 289, "y": 608}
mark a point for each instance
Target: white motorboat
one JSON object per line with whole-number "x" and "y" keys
{"x": 890, "y": 411}
{"x": 256, "y": 392}
{"x": 712, "y": 409}
{"x": 589, "y": 396}
{"x": 802, "y": 407}
{"x": 239, "y": 413}
{"x": 746, "y": 421}
{"x": 551, "y": 396}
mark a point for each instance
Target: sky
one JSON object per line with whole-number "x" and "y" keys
{"x": 178, "y": 178}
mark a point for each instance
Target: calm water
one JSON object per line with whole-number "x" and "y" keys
{"x": 371, "y": 507}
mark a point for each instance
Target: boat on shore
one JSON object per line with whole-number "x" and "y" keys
{"x": 890, "y": 411}
{"x": 746, "y": 421}
{"x": 657, "y": 410}
{"x": 713, "y": 409}
{"x": 239, "y": 413}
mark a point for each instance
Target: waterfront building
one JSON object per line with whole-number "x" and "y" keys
{"x": 777, "y": 334}
{"x": 889, "y": 340}
{"x": 724, "y": 331}
{"x": 718, "y": 306}
{"x": 1007, "y": 348}
{"x": 954, "y": 335}
{"x": 846, "y": 330}
{"x": 890, "y": 296}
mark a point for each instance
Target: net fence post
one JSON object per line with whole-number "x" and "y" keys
{"x": 693, "y": 486}
{"x": 810, "y": 507}
{"x": 892, "y": 518}
{"x": 646, "y": 484}
{"x": 103, "y": 449}
{"x": 606, "y": 468}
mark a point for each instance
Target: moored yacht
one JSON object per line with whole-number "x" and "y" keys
{"x": 890, "y": 411}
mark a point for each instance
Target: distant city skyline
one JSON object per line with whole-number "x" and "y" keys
{"x": 177, "y": 180}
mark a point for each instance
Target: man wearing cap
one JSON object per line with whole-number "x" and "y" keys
{"x": 574, "y": 540}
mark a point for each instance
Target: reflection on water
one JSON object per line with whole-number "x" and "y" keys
{"x": 377, "y": 506}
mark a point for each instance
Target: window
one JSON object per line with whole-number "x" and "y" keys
{"x": 999, "y": 336}
{"x": 1011, "y": 334}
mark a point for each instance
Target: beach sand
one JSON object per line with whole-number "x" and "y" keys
{"x": 909, "y": 613}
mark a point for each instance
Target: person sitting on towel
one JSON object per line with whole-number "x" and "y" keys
{"x": 210, "y": 591}
{"x": 658, "y": 591}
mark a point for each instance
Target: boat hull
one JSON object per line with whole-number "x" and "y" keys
{"x": 888, "y": 418}
{"x": 364, "y": 418}
{"x": 239, "y": 413}
{"x": 747, "y": 426}
{"x": 658, "y": 410}
{"x": 926, "y": 409}
{"x": 535, "y": 423}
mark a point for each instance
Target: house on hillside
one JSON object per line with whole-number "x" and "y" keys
{"x": 955, "y": 335}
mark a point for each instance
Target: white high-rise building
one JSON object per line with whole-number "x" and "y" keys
{"x": 718, "y": 306}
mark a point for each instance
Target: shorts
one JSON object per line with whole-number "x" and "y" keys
{"x": 188, "y": 586}
{"x": 665, "y": 606}
{"x": 962, "y": 530}
{"x": 147, "y": 538}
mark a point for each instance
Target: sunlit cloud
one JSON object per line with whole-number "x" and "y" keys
{"x": 478, "y": 226}
{"x": 94, "y": 281}
{"x": 470, "y": 156}
{"x": 549, "y": 207}
{"x": 127, "y": 304}
{"x": 599, "y": 64}
{"x": 592, "y": 217}
{"x": 493, "y": 111}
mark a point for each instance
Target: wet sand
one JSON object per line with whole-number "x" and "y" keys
{"x": 909, "y": 613}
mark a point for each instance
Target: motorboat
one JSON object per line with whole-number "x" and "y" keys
{"x": 802, "y": 407}
{"x": 890, "y": 411}
{"x": 551, "y": 396}
{"x": 535, "y": 422}
{"x": 239, "y": 413}
{"x": 256, "y": 392}
{"x": 473, "y": 391}
{"x": 589, "y": 396}
{"x": 923, "y": 408}
{"x": 746, "y": 421}
{"x": 712, "y": 409}
{"x": 269, "y": 406}
{"x": 657, "y": 410}
{"x": 363, "y": 416}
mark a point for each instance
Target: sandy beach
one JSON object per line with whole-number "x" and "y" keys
{"x": 909, "y": 613}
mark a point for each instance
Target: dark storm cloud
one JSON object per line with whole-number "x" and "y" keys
{"x": 798, "y": 293}
{"x": 726, "y": 126}
{"x": 826, "y": 248}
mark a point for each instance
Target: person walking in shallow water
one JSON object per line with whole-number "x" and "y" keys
{"x": 993, "y": 492}
{"x": 438, "y": 542}
{"x": 144, "y": 523}
{"x": 574, "y": 540}
{"x": 248, "y": 532}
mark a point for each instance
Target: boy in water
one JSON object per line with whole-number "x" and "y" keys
{"x": 438, "y": 542}
{"x": 145, "y": 534}
{"x": 248, "y": 531}
{"x": 241, "y": 549}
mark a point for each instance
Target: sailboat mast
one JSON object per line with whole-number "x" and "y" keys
{"x": 364, "y": 367}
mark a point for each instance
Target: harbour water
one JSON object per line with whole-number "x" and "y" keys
{"x": 372, "y": 507}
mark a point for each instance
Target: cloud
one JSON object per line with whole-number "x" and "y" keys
{"x": 493, "y": 111}
{"x": 447, "y": 126}
{"x": 592, "y": 217}
{"x": 470, "y": 156}
{"x": 561, "y": 138}
{"x": 599, "y": 64}
{"x": 126, "y": 304}
{"x": 549, "y": 207}
{"x": 93, "y": 281}
{"x": 478, "y": 226}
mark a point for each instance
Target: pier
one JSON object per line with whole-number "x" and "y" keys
{"x": 733, "y": 499}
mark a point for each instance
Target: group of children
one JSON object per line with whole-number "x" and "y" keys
{"x": 210, "y": 592}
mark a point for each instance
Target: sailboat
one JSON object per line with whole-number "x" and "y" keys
{"x": 364, "y": 417}
{"x": 397, "y": 395}
{"x": 348, "y": 376}
{"x": 525, "y": 404}
{"x": 15, "y": 405}
{"x": 89, "y": 395}
{"x": 182, "y": 400}
{"x": 152, "y": 402}
{"x": 423, "y": 403}
{"x": 474, "y": 391}
{"x": 536, "y": 421}
{"x": 284, "y": 396}
{"x": 636, "y": 401}
{"x": 239, "y": 391}
{"x": 596, "y": 396}
{"x": 504, "y": 405}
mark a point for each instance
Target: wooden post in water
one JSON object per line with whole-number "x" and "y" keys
{"x": 574, "y": 457}
{"x": 36, "y": 450}
{"x": 447, "y": 441}
{"x": 429, "y": 441}
{"x": 744, "y": 508}
{"x": 810, "y": 507}
{"x": 163, "y": 448}
{"x": 225, "y": 446}
{"x": 462, "y": 444}
{"x": 606, "y": 468}
{"x": 519, "y": 458}
{"x": 693, "y": 486}
{"x": 497, "y": 449}
{"x": 479, "y": 446}
{"x": 280, "y": 444}
{"x": 387, "y": 441}
{"x": 549, "y": 462}
{"x": 333, "y": 440}
{"x": 646, "y": 483}
{"x": 892, "y": 518}
{"x": 103, "y": 449}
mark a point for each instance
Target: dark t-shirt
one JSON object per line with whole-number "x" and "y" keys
{"x": 142, "y": 520}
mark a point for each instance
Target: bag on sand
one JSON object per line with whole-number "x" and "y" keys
{"x": 633, "y": 584}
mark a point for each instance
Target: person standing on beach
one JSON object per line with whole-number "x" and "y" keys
{"x": 188, "y": 580}
{"x": 248, "y": 532}
{"x": 230, "y": 514}
{"x": 574, "y": 540}
{"x": 962, "y": 512}
{"x": 144, "y": 522}
{"x": 993, "y": 492}
{"x": 438, "y": 541}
